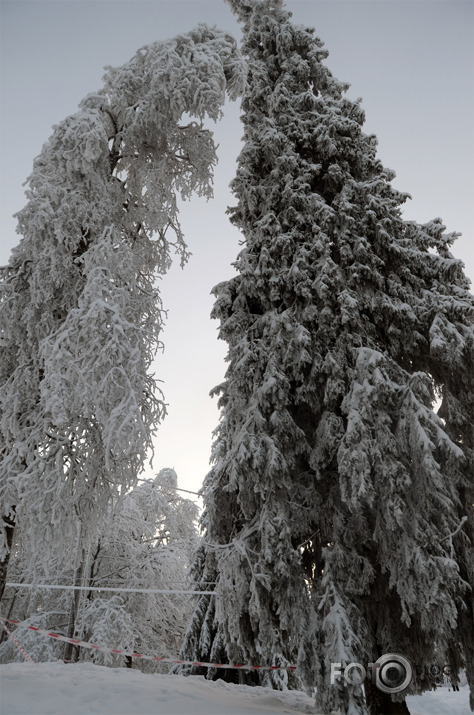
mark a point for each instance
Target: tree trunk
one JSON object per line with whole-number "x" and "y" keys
{"x": 71, "y": 650}
{"x": 380, "y": 703}
{"x": 4, "y": 634}
{"x": 9, "y": 521}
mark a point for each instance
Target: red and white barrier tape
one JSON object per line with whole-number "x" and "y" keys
{"x": 22, "y": 650}
{"x": 131, "y": 654}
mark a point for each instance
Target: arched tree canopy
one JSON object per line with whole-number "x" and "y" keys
{"x": 80, "y": 309}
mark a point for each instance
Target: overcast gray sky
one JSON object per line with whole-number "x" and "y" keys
{"x": 411, "y": 61}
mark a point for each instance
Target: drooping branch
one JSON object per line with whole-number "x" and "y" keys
{"x": 80, "y": 313}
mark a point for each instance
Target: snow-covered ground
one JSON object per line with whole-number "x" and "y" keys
{"x": 83, "y": 689}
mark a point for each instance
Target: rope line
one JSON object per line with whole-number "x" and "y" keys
{"x": 107, "y": 588}
{"x": 20, "y": 648}
{"x": 133, "y": 654}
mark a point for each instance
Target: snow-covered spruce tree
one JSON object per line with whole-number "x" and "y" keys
{"x": 80, "y": 313}
{"x": 338, "y": 511}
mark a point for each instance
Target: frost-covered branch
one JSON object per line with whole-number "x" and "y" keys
{"x": 80, "y": 312}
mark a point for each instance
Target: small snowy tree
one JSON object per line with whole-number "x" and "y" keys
{"x": 338, "y": 513}
{"x": 80, "y": 313}
{"x": 147, "y": 543}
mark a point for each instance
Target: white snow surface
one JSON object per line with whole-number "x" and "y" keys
{"x": 83, "y": 689}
